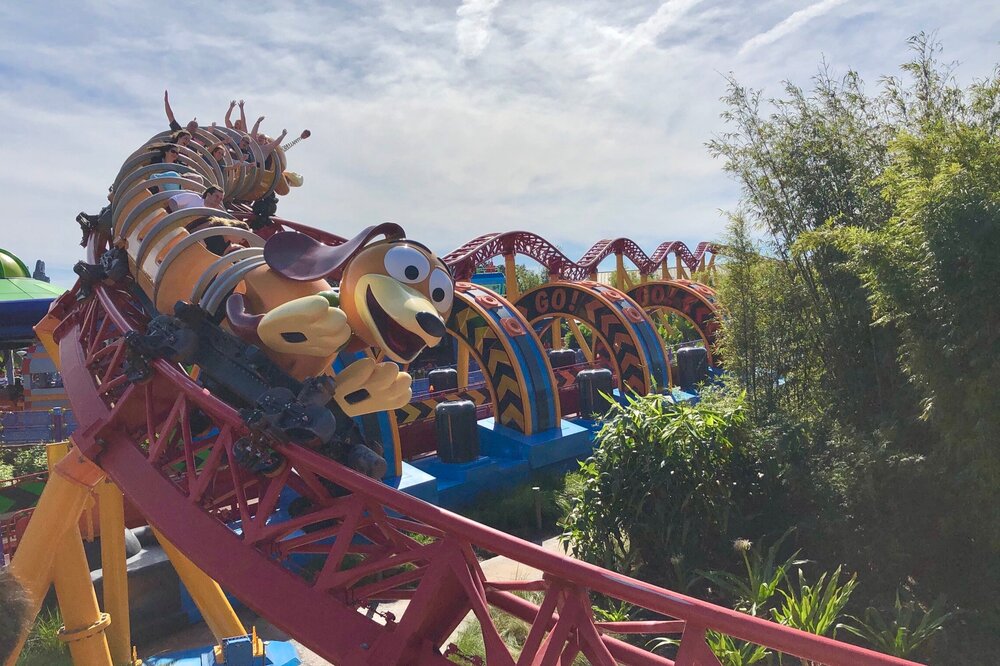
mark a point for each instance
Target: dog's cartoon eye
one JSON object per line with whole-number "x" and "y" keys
{"x": 442, "y": 290}
{"x": 407, "y": 264}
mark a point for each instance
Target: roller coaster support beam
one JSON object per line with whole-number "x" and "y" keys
{"x": 55, "y": 520}
{"x": 664, "y": 270}
{"x": 624, "y": 281}
{"x": 582, "y": 341}
{"x": 463, "y": 365}
{"x": 115, "y": 572}
{"x": 510, "y": 277}
{"x": 206, "y": 593}
{"x": 83, "y": 622}
{"x": 556, "y": 324}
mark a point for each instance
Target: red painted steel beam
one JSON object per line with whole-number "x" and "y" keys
{"x": 463, "y": 260}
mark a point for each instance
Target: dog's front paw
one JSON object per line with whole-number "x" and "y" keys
{"x": 365, "y": 386}
{"x": 307, "y": 326}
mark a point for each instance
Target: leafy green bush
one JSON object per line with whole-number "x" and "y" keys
{"x": 729, "y": 650}
{"x": 816, "y": 608}
{"x": 862, "y": 323}
{"x": 663, "y": 487}
{"x": 22, "y": 460}
{"x": 527, "y": 278}
{"x": 901, "y": 632}
{"x": 753, "y": 592}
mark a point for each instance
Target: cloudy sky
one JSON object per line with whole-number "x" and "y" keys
{"x": 576, "y": 119}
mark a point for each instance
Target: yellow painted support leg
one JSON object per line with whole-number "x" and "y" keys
{"x": 624, "y": 280}
{"x": 83, "y": 622}
{"x": 556, "y": 321}
{"x": 557, "y": 341}
{"x": 206, "y": 593}
{"x": 44, "y": 331}
{"x": 582, "y": 341}
{"x": 71, "y": 480}
{"x": 463, "y": 366}
{"x": 112, "y": 512}
{"x": 510, "y": 277}
{"x": 663, "y": 319}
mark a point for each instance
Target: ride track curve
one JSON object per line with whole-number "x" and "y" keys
{"x": 463, "y": 260}
{"x": 319, "y": 572}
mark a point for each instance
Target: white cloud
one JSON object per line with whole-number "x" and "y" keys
{"x": 794, "y": 21}
{"x": 576, "y": 119}
{"x": 646, "y": 33}
{"x": 473, "y": 28}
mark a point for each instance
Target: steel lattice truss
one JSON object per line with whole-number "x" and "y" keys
{"x": 463, "y": 261}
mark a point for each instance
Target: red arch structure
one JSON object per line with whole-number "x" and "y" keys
{"x": 692, "y": 300}
{"x": 463, "y": 261}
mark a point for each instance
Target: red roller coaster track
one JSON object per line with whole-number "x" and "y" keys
{"x": 315, "y": 573}
{"x": 463, "y": 261}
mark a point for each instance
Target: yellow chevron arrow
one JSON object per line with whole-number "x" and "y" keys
{"x": 496, "y": 357}
{"x": 505, "y": 385}
{"x": 512, "y": 415}
{"x": 481, "y": 333}
{"x": 462, "y": 318}
{"x": 409, "y": 413}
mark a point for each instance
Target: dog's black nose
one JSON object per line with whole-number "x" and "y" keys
{"x": 432, "y": 324}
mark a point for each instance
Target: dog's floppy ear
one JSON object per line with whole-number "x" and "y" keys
{"x": 299, "y": 257}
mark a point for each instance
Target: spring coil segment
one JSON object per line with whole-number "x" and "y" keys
{"x": 168, "y": 262}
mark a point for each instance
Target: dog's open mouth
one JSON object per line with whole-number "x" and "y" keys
{"x": 400, "y": 341}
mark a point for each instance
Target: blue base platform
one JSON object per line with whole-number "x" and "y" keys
{"x": 509, "y": 458}
{"x": 459, "y": 483}
{"x": 416, "y": 482}
{"x": 568, "y": 441}
{"x": 277, "y": 653}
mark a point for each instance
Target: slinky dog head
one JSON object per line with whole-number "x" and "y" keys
{"x": 395, "y": 292}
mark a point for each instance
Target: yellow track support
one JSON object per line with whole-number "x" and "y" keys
{"x": 83, "y": 621}
{"x": 463, "y": 366}
{"x": 71, "y": 480}
{"x": 510, "y": 277}
{"x": 624, "y": 281}
{"x": 582, "y": 341}
{"x": 112, "y": 512}
{"x": 206, "y": 593}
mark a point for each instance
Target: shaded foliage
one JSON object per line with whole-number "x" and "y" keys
{"x": 863, "y": 327}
